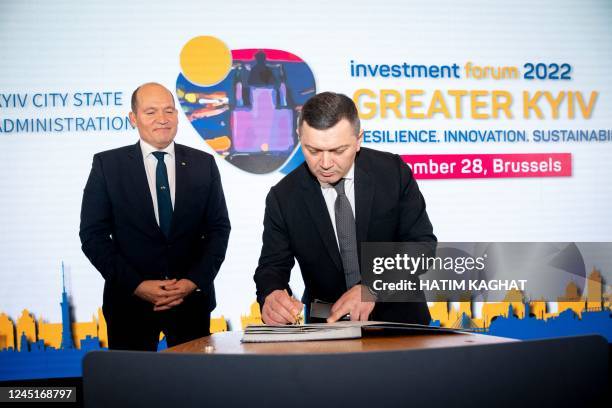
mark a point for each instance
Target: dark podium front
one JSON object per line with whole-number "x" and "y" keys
{"x": 424, "y": 372}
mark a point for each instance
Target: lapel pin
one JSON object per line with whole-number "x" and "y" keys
{"x": 183, "y": 164}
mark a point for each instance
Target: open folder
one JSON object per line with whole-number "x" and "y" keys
{"x": 335, "y": 331}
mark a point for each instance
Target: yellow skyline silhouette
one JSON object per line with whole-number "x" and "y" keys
{"x": 51, "y": 333}
{"x": 593, "y": 299}
{"x": 253, "y": 318}
{"x": 450, "y": 316}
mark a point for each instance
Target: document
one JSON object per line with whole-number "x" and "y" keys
{"x": 335, "y": 331}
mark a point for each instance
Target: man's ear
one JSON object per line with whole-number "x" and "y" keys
{"x": 359, "y": 139}
{"x": 132, "y": 116}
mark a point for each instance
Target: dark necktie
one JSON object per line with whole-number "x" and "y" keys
{"x": 347, "y": 236}
{"x": 164, "y": 202}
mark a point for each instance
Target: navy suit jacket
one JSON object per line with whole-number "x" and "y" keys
{"x": 121, "y": 237}
{"x": 388, "y": 208}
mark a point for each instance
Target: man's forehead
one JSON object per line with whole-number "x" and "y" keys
{"x": 325, "y": 144}
{"x": 154, "y": 95}
{"x": 340, "y": 134}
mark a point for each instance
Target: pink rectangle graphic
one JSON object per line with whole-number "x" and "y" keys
{"x": 451, "y": 166}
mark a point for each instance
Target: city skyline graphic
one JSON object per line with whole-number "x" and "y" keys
{"x": 31, "y": 349}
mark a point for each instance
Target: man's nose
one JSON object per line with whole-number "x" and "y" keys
{"x": 162, "y": 118}
{"x": 326, "y": 161}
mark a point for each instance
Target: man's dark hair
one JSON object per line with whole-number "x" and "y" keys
{"x": 326, "y": 109}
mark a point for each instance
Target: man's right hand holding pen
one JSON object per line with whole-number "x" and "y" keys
{"x": 281, "y": 308}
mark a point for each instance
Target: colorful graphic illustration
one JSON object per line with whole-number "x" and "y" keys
{"x": 245, "y": 103}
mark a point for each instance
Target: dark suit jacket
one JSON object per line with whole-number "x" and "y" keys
{"x": 388, "y": 208}
{"x": 121, "y": 238}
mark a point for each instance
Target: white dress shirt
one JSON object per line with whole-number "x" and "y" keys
{"x": 330, "y": 195}
{"x": 150, "y": 163}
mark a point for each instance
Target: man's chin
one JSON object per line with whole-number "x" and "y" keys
{"x": 328, "y": 179}
{"x": 162, "y": 143}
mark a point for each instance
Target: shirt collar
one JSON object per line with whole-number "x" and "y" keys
{"x": 147, "y": 149}
{"x": 351, "y": 173}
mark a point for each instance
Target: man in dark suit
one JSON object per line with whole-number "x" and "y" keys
{"x": 154, "y": 223}
{"x": 321, "y": 212}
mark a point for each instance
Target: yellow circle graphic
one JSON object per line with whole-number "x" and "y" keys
{"x": 205, "y": 60}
